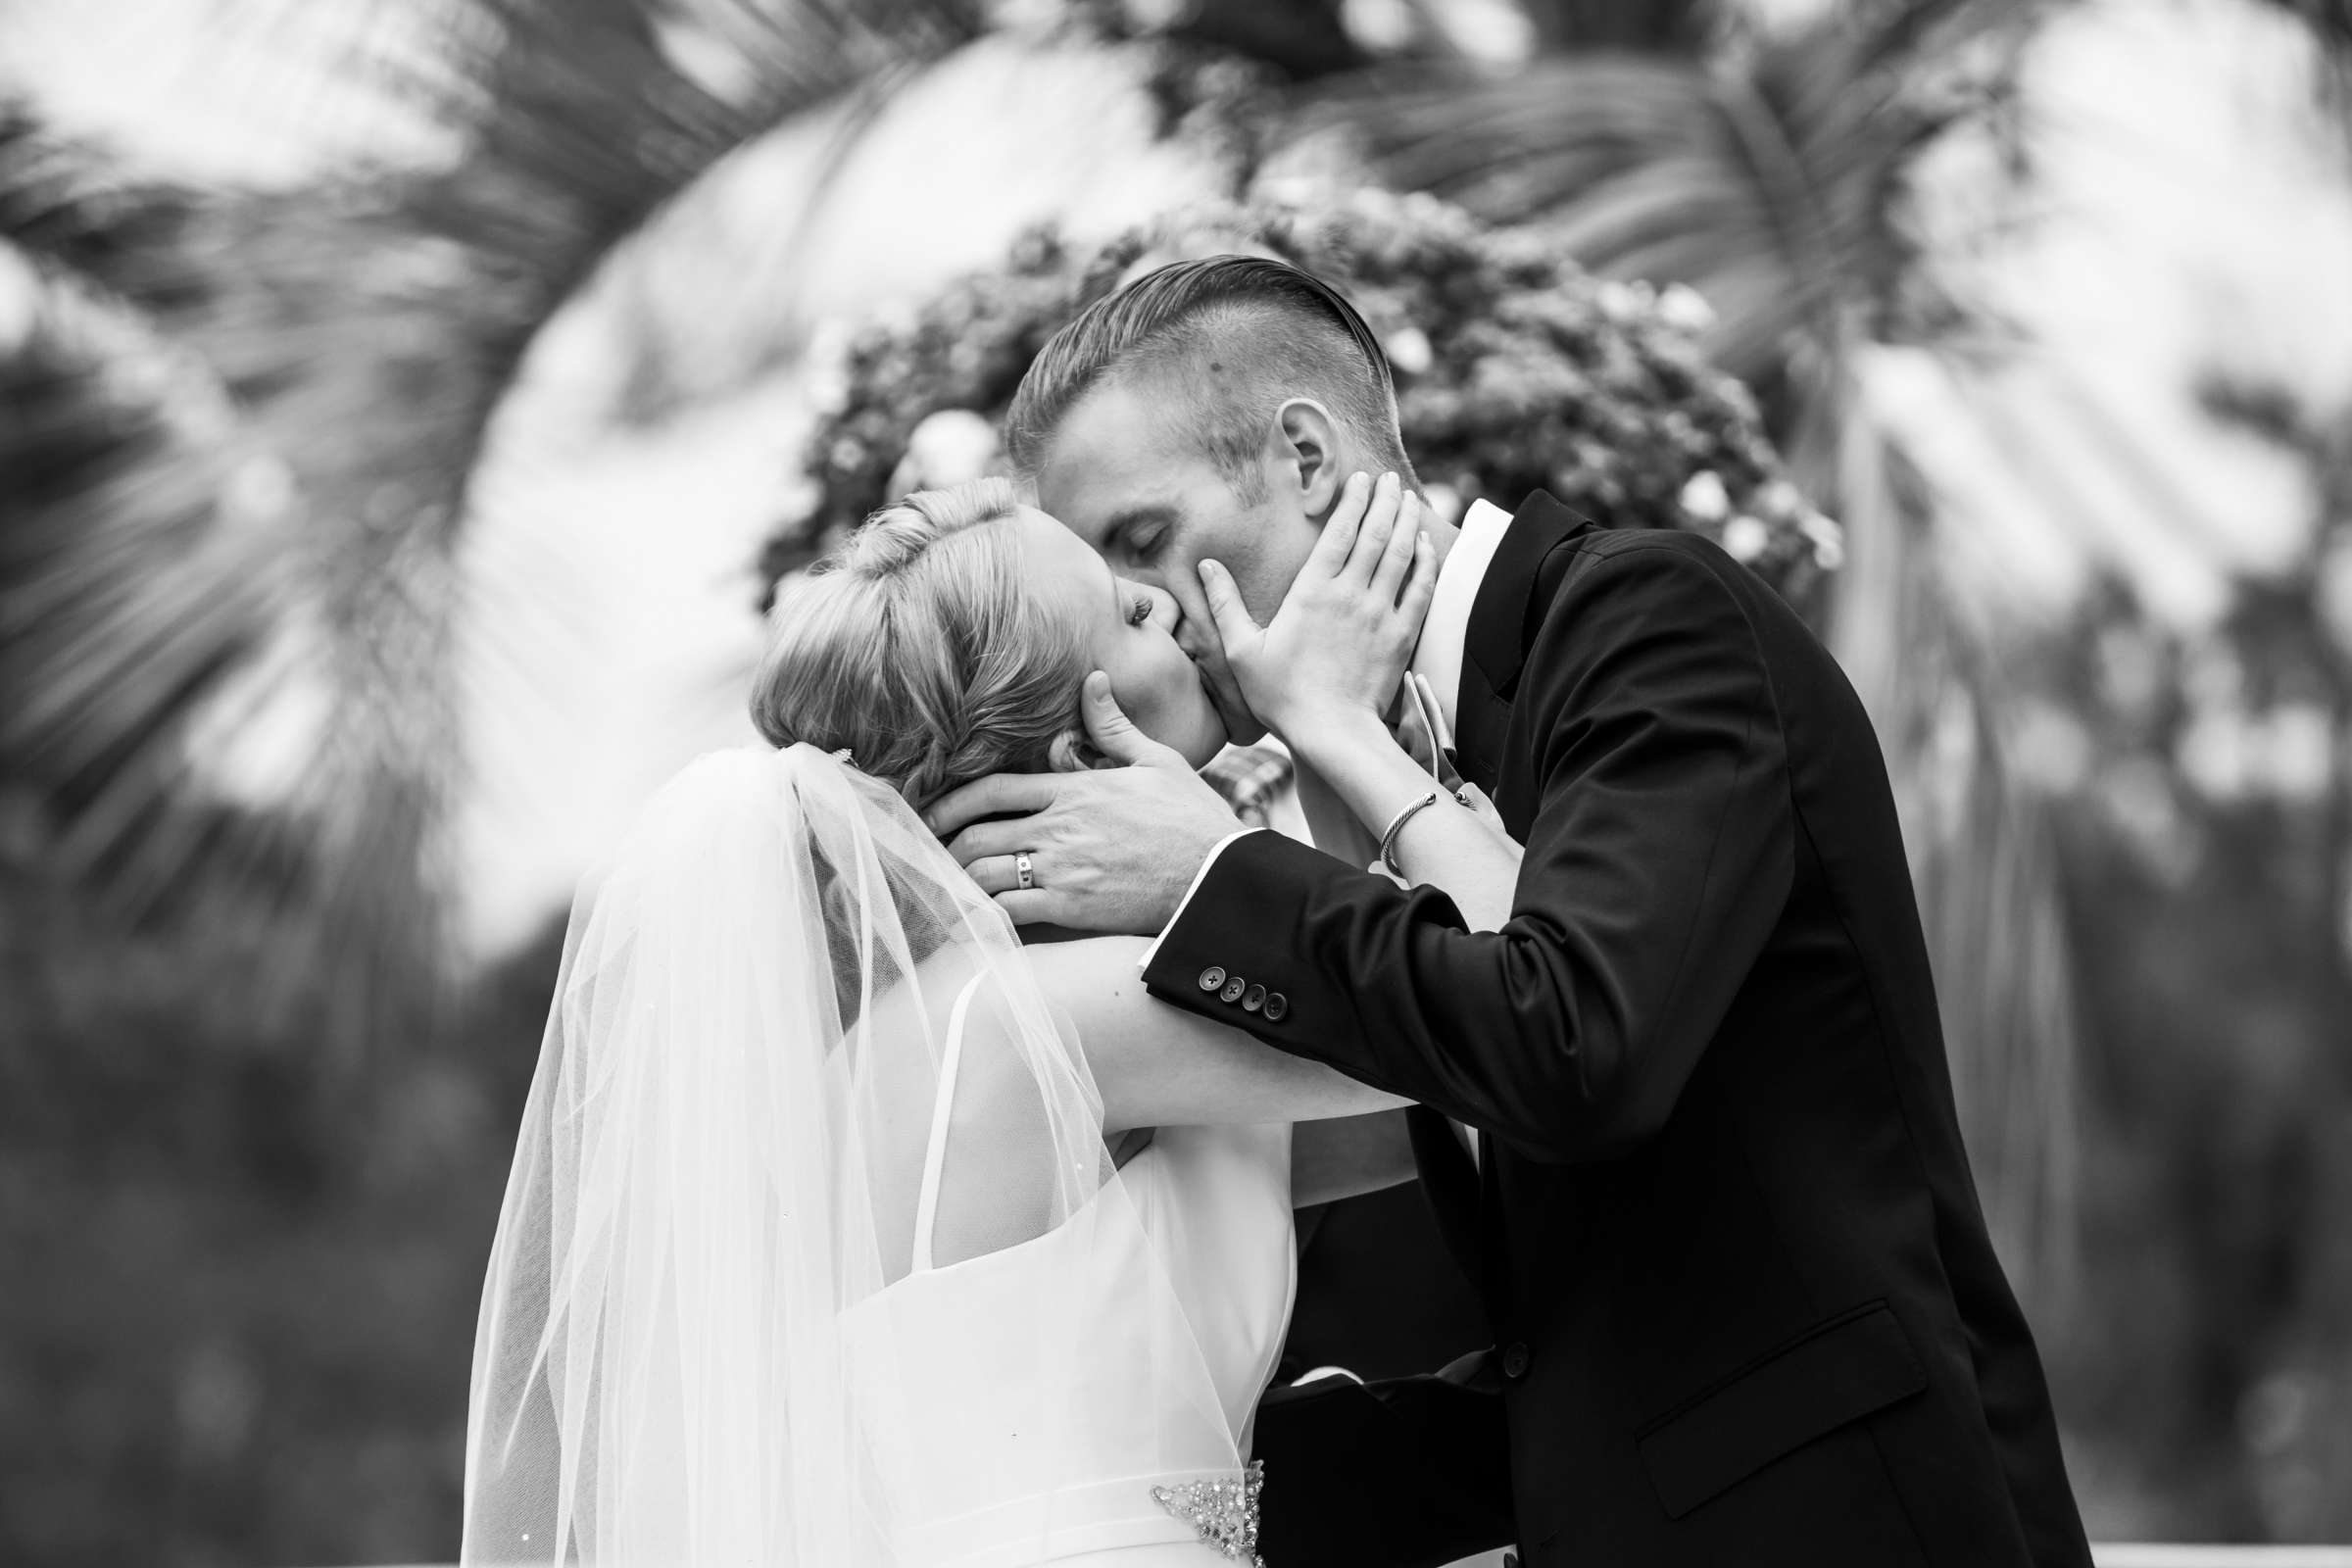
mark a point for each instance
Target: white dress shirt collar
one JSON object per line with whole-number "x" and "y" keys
{"x": 1438, "y": 659}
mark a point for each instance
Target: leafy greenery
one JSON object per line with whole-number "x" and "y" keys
{"x": 350, "y": 346}
{"x": 1515, "y": 371}
{"x": 243, "y": 1281}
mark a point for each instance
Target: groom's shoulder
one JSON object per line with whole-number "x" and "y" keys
{"x": 1552, "y": 548}
{"x": 1606, "y": 587}
{"x": 1654, "y": 546}
{"x": 1671, "y": 563}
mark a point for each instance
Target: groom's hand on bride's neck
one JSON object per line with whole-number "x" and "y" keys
{"x": 1109, "y": 851}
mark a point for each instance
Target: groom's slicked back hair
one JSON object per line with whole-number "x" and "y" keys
{"x": 1223, "y": 342}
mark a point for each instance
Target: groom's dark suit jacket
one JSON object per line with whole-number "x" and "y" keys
{"x": 1745, "y": 1309}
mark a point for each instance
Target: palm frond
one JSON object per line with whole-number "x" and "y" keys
{"x": 359, "y": 341}
{"x": 1993, "y": 910}
{"x": 1982, "y": 850}
{"x": 123, "y": 595}
{"x": 1791, "y": 149}
{"x": 1639, "y": 163}
{"x": 65, "y": 206}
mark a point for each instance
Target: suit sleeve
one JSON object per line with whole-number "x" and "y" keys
{"x": 1660, "y": 856}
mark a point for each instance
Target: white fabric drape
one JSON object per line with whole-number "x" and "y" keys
{"x": 722, "y": 1157}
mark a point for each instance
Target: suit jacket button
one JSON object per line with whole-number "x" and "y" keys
{"x": 1212, "y": 978}
{"x": 1233, "y": 987}
{"x": 1515, "y": 1360}
{"x": 1276, "y": 1006}
{"x": 1253, "y": 998}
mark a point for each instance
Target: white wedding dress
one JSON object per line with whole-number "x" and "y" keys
{"x": 813, "y": 1256}
{"x": 981, "y": 1476}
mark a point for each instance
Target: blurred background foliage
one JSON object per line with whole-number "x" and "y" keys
{"x": 1515, "y": 370}
{"x": 387, "y": 389}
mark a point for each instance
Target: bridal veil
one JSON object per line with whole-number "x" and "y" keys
{"x": 721, "y": 1164}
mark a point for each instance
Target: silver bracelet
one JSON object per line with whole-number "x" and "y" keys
{"x": 1388, "y": 840}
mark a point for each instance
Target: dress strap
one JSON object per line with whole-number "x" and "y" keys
{"x": 927, "y": 1207}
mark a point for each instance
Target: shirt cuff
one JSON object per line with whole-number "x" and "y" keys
{"x": 1206, "y": 860}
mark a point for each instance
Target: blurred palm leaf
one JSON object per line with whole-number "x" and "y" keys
{"x": 134, "y": 573}
{"x": 1772, "y": 171}
{"x": 64, "y": 206}
{"x": 1769, "y": 175}
{"x": 109, "y": 517}
{"x": 360, "y": 340}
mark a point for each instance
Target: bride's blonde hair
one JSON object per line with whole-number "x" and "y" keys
{"x": 920, "y": 647}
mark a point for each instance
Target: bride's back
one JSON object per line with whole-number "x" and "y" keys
{"x": 981, "y": 1152}
{"x": 1039, "y": 1388}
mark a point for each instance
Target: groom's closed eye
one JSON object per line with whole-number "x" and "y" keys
{"x": 1139, "y": 533}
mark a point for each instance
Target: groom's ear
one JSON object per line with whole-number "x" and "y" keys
{"x": 1309, "y": 451}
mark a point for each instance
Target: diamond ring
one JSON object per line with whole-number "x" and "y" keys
{"x": 1022, "y": 869}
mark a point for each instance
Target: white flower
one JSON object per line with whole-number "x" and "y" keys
{"x": 1704, "y": 498}
{"x": 2215, "y": 750}
{"x": 1618, "y": 300}
{"x": 1408, "y": 350}
{"x": 1685, "y": 308}
{"x": 1379, "y": 26}
{"x": 1291, "y": 187}
{"x": 2296, "y": 753}
{"x": 1829, "y": 539}
{"x": 947, "y": 448}
{"x": 1744, "y": 538}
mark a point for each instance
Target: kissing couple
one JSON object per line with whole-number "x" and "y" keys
{"x": 908, "y": 1177}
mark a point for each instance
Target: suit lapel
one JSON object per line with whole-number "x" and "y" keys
{"x": 1466, "y": 1195}
{"x": 1495, "y": 645}
{"x": 1480, "y": 717}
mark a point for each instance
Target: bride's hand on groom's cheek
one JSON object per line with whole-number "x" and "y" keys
{"x": 1109, "y": 851}
{"x": 1343, "y": 633}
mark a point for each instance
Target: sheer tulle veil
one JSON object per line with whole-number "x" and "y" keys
{"x": 720, "y": 1159}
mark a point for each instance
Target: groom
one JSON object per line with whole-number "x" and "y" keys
{"x": 1686, "y": 1119}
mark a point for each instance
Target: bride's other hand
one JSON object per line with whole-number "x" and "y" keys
{"x": 1338, "y": 644}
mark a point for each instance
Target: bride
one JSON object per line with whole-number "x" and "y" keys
{"x": 843, "y": 1230}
